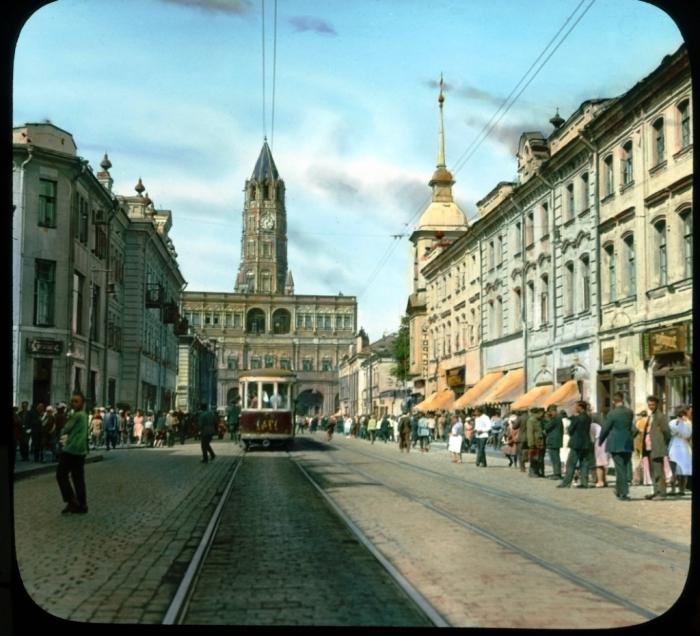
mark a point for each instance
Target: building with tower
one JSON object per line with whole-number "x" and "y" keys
{"x": 263, "y": 323}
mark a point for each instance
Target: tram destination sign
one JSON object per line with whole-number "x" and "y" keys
{"x": 44, "y": 346}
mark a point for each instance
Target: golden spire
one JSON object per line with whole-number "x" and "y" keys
{"x": 441, "y": 133}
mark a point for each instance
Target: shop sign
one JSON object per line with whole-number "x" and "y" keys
{"x": 672, "y": 340}
{"x": 455, "y": 377}
{"x": 42, "y": 346}
{"x": 608, "y": 355}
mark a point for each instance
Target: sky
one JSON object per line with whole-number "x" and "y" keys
{"x": 172, "y": 90}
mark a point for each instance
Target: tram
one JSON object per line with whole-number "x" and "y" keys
{"x": 267, "y": 407}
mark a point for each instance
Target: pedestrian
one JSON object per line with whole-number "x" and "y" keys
{"x": 207, "y": 429}
{"x": 71, "y": 461}
{"x": 372, "y": 428}
{"x": 148, "y": 430}
{"x": 330, "y": 429}
{"x": 601, "y": 459}
{"x": 519, "y": 426}
{"x": 48, "y": 433}
{"x": 497, "y": 426}
{"x": 111, "y": 429}
{"x": 96, "y": 428}
{"x": 617, "y": 434}
{"x": 657, "y": 435}
{"x": 580, "y": 444}
{"x": 680, "y": 451}
{"x": 454, "y": 444}
{"x": 535, "y": 441}
{"x": 404, "y": 432}
{"x": 363, "y": 427}
{"x": 160, "y": 429}
{"x": 469, "y": 434}
{"x": 33, "y": 423}
{"x": 414, "y": 429}
{"x": 423, "y": 433}
{"x": 440, "y": 426}
{"x": 510, "y": 440}
{"x": 17, "y": 425}
{"x": 23, "y": 441}
{"x": 554, "y": 434}
{"x": 482, "y": 427}
{"x": 121, "y": 418}
{"x": 138, "y": 427}
{"x": 129, "y": 419}
{"x": 184, "y": 425}
{"x": 384, "y": 427}
{"x": 233, "y": 418}
{"x": 431, "y": 425}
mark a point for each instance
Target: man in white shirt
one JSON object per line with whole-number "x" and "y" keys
{"x": 482, "y": 427}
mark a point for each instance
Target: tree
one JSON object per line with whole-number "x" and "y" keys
{"x": 401, "y": 351}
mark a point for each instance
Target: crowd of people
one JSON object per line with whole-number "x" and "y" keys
{"x": 647, "y": 448}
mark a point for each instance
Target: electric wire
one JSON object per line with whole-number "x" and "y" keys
{"x": 274, "y": 77}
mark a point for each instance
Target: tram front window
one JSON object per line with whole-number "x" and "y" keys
{"x": 268, "y": 391}
{"x": 282, "y": 396}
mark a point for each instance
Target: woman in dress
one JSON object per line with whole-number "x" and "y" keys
{"x": 680, "y": 451}
{"x": 454, "y": 445}
{"x": 509, "y": 440}
{"x": 600, "y": 455}
{"x": 96, "y": 428}
{"x": 138, "y": 426}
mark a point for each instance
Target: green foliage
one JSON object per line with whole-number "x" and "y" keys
{"x": 401, "y": 352}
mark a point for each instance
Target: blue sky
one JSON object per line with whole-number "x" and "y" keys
{"x": 172, "y": 90}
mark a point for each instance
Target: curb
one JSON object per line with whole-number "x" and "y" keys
{"x": 49, "y": 468}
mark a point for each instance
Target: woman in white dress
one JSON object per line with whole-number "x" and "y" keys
{"x": 679, "y": 449}
{"x": 455, "y": 442}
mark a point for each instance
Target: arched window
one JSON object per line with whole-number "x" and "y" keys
{"x": 517, "y": 309}
{"x": 499, "y": 317}
{"x": 544, "y": 299}
{"x": 570, "y": 201}
{"x": 684, "y": 116}
{"x": 529, "y": 229}
{"x": 585, "y": 192}
{"x": 265, "y": 281}
{"x": 612, "y": 273}
{"x": 530, "y": 319}
{"x": 659, "y": 141}
{"x": 585, "y": 268}
{"x": 281, "y": 321}
{"x": 630, "y": 258}
{"x": 662, "y": 256}
{"x": 608, "y": 171}
{"x": 569, "y": 288}
{"x": 252, "y": 193}
{"x": 627, "y": 174}
{"x": 255, "y": 321}
{"x": 544, "y": 219}
{"x": 686, "y": 217}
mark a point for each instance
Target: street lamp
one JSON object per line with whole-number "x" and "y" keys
{"x": 89, "y": 396}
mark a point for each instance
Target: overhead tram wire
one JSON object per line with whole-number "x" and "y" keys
{"x": 488, "y": 128}
{"x": 274, "y": 78}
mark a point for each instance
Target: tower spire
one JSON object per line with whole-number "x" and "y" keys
{"x": 441, "y": 132}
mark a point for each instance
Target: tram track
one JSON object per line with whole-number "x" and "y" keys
{"x": 561, "y": 571}
{"x": 418, "y": 610}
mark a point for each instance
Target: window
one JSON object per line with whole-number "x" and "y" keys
{"x": 82, "y": 220}
{"x": 96, "y": 322}
{"x": 265, "y": 281}
{"x": 544, "y": 300}
{"x": 544, "y": 219}
{"x": 347, "y": 322}
{"x": 267, "y": 249}
{"x": 517, "y": 237}
{"x": 659, "y": 141}
{"x": 687, "y": 227}
{"x": 569, "y": 288}
{"x": 529, "y": 229}
{"x": 325, "y": 322}
{"x": 232, "y": 362}
{"x": 100, "y": 248}
{"x": 660, "y": 227}
{"x": 499, "y": 255}
{"x": 472, "y": 324}
{"x": 307, "y": 364}
{"x": 326, "y": 364}
{"x": 269, "y": 361}
{"x": 585, "y": 191}
{"x": 570, "y": 207}
{"x": 237, "y": 321}
{"x": 491, "y": 254}
{"x": 207, "y": 318}
{"x": 196, "y": 319}
{"x": 47, "y": 203}
{"x": 585, "y": 266}
{"x": 631, "y": 265}
{"x": 684, "y": 113}
{"x": 608, "y": 170}
{"x": 612, "y": 274}
{"x": 44, "y": 292}
{"x": 251, "y": 249}
{"x": 499, "y": 317}
{"x": 517, "y": 309}
{"x": 281, "y": 321}
{"x": 268, "y": 192}
{"x": 627, "y": 174}
{"x": 531, "y": 302}
{"x": 215, "y": 319}
{"x": 228, "y": 319}
{"x": 255, "y": 322}
{"x": 255, "y": 363}
{"x": 78, "y": 285}
{"x": 285, "y": 364}
{"x": 252, "y": 193}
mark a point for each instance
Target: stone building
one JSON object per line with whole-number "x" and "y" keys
{"x": 79, "y": 264}
{"x": 263, "y": 323}
{"x": 584, "y": 284}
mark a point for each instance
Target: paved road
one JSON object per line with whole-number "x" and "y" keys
{"x": 148, "y": 508}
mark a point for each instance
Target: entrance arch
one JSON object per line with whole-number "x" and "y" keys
{"x": 309, "y": 402}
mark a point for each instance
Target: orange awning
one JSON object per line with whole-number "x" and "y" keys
{"x": 470, "y": 395}
{"x": 536, "y": 396}
{"x": 442, "y": 400}
{"x": 507, "y": 389}
{"x": 565, "y": 396}
{"x": 421, "y": 405}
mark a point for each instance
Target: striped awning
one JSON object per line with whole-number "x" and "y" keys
{"x": 507, "y": 389}
{"x": 421, "y": 405}
{"x": 441, "y": 400}
{"x": 470, "y": 396}
{"x": 536, "y": 396}
{"x": 565, "y": 396}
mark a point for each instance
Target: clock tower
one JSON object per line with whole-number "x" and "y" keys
{"x": 263, "y": 267}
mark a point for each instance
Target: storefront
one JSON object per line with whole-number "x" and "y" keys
{"x": 668, "y": 354}
{"x": 455, "y": 380}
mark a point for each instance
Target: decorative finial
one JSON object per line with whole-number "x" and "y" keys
{"x": 106, "y": 164}
{"x": 139, "y": 187}
{"x": 147, "y": 199}
{"x": 441, "y": 133}
{"x": 556, "y": 121}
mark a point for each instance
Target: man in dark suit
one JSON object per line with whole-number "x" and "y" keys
{"x": 207, "y": 429}
{"x": 657, "y": 435}
{"x": 619, "y": 430}
{"x": 579, "y": 445}
{"x": 554, "y": 431}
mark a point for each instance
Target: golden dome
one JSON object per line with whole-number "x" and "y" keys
{"x": 442, "y": 216}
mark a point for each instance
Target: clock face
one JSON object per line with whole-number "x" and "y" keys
{"x": 267, "y": 222}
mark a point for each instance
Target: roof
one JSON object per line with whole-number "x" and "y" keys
{"x": 443, "y": 216}
{"x": 265, "y": 165}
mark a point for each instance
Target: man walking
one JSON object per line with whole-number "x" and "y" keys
{"x": 233, "y": 417}
{"x": 405, "y": 426}
{"x": 111, "y": 428}
{"x": 554, "y": 432}
{"x": 482, "y": 426}
{"x": 580, "y": 445}
{"x": 618, "y": 428}
{"x": 71, "y": 461}
{"x": 657, "y": 435}
{"x": 535, "y": 442}
{"x": 207, "y": 428}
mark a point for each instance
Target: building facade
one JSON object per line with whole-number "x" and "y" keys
{"x": 584, "y": 279}
{"x": 263, "y": 323}
{"x": 78, "y": 271}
